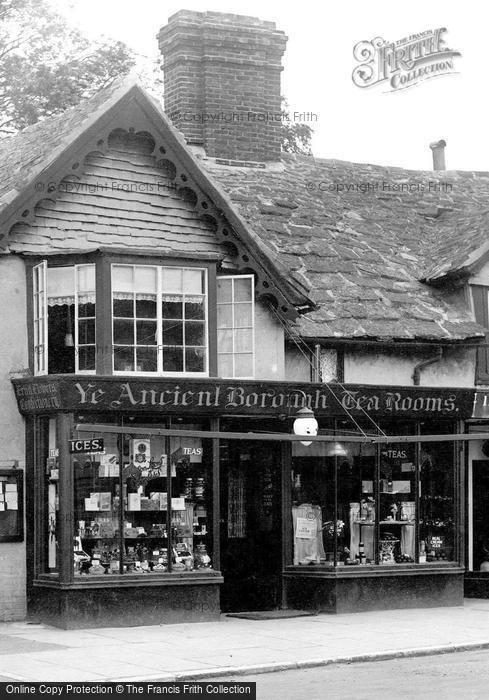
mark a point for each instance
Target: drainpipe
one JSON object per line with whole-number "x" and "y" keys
{"x": 425, "y": 363}
{"x": 316, "y": 364}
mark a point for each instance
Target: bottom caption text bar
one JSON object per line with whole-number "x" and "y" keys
{"x": 204, "y": 689}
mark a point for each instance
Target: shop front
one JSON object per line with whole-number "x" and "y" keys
{"x": 158, "y": 501}
{"x": 477, "y": 535}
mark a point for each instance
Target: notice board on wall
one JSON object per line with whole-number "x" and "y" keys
{"x": 11, "y": 505}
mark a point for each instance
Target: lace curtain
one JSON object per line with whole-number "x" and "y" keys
{"x": 69, "y": 299}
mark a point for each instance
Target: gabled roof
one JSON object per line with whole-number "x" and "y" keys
{"x": 358, "y": 240}
{"x": 45, "y": 152}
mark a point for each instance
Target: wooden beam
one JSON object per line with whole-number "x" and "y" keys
{"x": 282, "y": 437}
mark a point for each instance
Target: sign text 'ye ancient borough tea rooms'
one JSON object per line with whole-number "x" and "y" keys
{"x": 217, "y": 396}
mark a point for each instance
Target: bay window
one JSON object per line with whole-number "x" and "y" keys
{"x": 140, "y": 318}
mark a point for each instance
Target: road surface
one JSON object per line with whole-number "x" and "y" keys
{"x": 460, "y": 676}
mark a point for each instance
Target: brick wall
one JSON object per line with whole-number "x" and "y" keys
{"x": 222, "y": 82}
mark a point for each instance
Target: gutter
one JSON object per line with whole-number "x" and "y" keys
{"x": 425, "y": 363}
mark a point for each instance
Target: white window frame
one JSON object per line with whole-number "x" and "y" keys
{"x": 40, "y": 303}
{"x": 77, "y": 354}
{"x": 159, "y": 322}
{"x": 233, "y": 327}
{"x": 40, "y": 318}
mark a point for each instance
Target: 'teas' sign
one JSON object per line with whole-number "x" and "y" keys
{"x": 93, "y": 445}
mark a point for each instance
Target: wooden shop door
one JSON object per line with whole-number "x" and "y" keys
{"x": 251, "y": 555}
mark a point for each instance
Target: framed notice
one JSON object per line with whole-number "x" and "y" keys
{"x": 12, "y": 499}
{"x": 306, "y": 529}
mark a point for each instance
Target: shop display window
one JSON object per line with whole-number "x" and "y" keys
{"x": 143, "y": 505}
{"x": 365, "y": 504}
{"x": 436, "y": 500}
{"x": 46, "y": 495}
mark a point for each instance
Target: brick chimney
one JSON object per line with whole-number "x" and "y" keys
{"x": 222, "y": 83}
{"x": 438, "y": 149}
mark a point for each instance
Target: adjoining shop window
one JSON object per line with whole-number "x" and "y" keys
{"x": 388, "y": 505}
{"x": 64, "y": 319}
{"x": 159, "y": 319}
{"x": 235, "y": 326}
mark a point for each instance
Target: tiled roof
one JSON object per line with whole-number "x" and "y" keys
{"x": 361, "y": 237}
{"x": 24, "y": 155}
{"x": 357, "y": 239}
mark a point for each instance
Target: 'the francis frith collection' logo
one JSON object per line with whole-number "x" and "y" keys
{"x": 403, "y": 63}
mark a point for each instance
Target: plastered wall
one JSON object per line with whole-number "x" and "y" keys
{"x": 13, "y": 358}
{"x": 382, "y": 367}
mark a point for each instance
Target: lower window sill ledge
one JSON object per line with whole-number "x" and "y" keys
{"x": 187, "y": 578}
{"x": 371, "y": 571}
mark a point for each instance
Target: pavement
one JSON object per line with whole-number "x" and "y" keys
{"x": 236, "y": 647}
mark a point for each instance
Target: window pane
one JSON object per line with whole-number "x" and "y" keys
{"x": 243, "y": 340}
{"x": 146, "y": 332}
{"x": 242, "y": 289}
{"x": 61, "y": 281}
{"x": 243, "y": 365}
{"x": 437, "y": 505}
{"x": 194, "y": 359}
{"x": 123, "y": 307}
{"x": 194, "y": 307}
{"x": 85, "y": 310}
{"x": 225, "y": 365}
{"x": 224, "y": 290}
{"x": 96, "y": 496}
{"x": 172, "y": 307}
{"x": 123, "y": 332}
{"x": 224, "y": 341}
{"x": 122, "y": 278}
{"x": 86, "y": 358}
{"x": 124, "y": 359}
{"x": 194, "y": 333}
{"x": 193, "y": 281}
{"x": 242, "y": 315}
{"x": 86, "y": 332}
{"x": 145, "y": 279}
{"x": 145, "y": 308}
{"x": 172, "y": 333}
{"x": 86, "y": 278}
{"x": 172, "y": 359}
{"x": 172, "y": 279}
{"x": 146, "y": 359}
{"x": 224, "y": 316}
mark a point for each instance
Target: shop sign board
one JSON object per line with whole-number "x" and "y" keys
{"x": 94, "y": 445}
{"x": 217, "y": 396}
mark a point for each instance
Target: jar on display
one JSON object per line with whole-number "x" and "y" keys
{"x": 201, "y": 559}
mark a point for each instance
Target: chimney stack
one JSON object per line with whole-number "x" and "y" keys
{"x": 438, "y": 148}
{"x": 222, "y": 83}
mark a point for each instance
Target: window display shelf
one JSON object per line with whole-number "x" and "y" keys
{"x": 384, "y": 522}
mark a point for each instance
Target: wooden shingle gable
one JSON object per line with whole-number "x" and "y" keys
{"x": 199, "y": 200}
